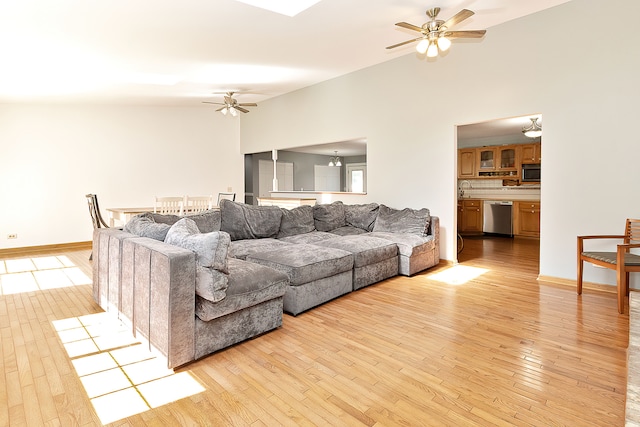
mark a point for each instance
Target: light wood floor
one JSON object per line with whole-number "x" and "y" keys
{"x": 499, "y": 349}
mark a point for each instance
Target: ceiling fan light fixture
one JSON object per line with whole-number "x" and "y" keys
{"x": 233, "y": 111}
{"x": 224, "y": 111}
{"x": 444, "y": 43}
{"x": 534, "y": 130}
{"x": 422, "y": 46}
{"x": 432, "y": 51}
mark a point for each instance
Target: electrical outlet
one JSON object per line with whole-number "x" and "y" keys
{"x": 12, "y": 236}
{"x": 229, "y": 189}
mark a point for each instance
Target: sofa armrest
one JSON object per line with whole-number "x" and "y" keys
{"x": 158, "y": 295}
{"x": 434, "y": 228}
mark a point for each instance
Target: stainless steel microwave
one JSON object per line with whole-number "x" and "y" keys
{"x": 531, "y": 173}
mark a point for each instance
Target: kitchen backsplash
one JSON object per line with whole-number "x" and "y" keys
{"x": 495, "y": 190}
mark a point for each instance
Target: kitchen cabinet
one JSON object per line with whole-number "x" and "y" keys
{"x": 470, "y": 216}
{"x": 526, "y": 221}
{"x": 531, "y": 153}
{"x": 466, "y": 163}
{"x": 498, "y": 161}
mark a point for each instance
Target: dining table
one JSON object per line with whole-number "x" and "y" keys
{"x": 120, "y": 216}
{"x": 123, "y": 215}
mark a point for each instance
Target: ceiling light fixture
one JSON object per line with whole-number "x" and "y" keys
{"x": 534, "y": 130}
{"x": 335, "y": 160}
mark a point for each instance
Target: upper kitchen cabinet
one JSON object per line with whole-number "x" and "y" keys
{"x": 498, "y": 161}
{"x": 485, "y": 159}
{"x": 531, "y": 153}
{"x": 467, "y": 163}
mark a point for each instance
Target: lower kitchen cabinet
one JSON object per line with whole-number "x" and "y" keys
{"x": 470, "y": 216}
{"x": 526, "y": 218}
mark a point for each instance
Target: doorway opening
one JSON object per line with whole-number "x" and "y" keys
{"x": 498, "y": 181}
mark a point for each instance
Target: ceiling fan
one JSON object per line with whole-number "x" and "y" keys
{"x": 231, "y": 105}
{"x": 435, "y": 34}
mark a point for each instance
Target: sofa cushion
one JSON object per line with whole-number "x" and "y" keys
{"x": 408, "y": 244}
{"x": 144, "y": 225}
{"x": 361, "y": 216}
{"x": 249, "y": 285}
{"x": 244, "y": 221}
{"x": 305, "y": 263}
{"x": 366, "y": 249}
{"x": 314, "y": 236}
{"x": 298, "y": 220}
{"x": 211, "y": 248}
{"x": 207, "y": 221}
{"x": 348, "y": 230}
{"x": 239, "y": 249}
{"x": 328, "y": 217}
{"x": 407, "y": 220}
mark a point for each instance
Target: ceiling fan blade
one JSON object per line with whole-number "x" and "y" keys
{"x": 457, "y": 18}
{"x": 209, "y": 102}
{"x": 248, "y": 104}
{"x": 403, "y": 43}
{"x": 244, "y": 110}
{"x": 221, "y": 108}
{"x": 471, "y": 34}
{"x": 409, "y": 26}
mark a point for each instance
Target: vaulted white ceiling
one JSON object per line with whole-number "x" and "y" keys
{"x": 168, "y": 52}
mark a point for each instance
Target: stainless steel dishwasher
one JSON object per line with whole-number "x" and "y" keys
{"x": 497, "y": 217}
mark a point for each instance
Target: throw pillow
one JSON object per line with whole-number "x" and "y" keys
{"x": 211, "y": 284}
{"x": 165, "y": 218}
{"x": 407, "y": 220}
{"x": 298, "y": 220}
{"x": 143, "y": 225}
{"x": 211, "y": 248}
{"x": 361, "y": 216}
{"x": 244, "y": 221}
{"x": 207, "y": 221}
{"x": 328, "y": 217}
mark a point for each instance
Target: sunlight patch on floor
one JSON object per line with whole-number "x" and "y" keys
{"x": 120, "y": 375}
{"x": 457, "y": 275}
{"x": 39, "y": 273}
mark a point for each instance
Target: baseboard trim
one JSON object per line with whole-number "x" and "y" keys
{"x": 74, "y": 246}
{"x": 572, "y": 284}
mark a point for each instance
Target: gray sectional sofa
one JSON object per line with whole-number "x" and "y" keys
{"x": 189, "y": 286}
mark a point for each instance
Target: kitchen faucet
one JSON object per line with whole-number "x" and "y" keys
{"x": 461, "y": 186}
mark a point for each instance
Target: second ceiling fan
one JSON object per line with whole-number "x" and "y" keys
{"x": 436, "y": 33}
{"x": 231, "y": 105}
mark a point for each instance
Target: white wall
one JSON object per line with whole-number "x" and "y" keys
{"x": 51, "y": 156}
{"x": 554, "y": 62}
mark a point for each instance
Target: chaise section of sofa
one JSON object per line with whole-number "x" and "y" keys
{"x": 152, "y": 286}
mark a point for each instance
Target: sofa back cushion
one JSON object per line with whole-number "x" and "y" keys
{"x": 328, "y": 217}
{"x": 244, "y": 221}
{"x": 407, "y": 220}
{"x": 144, "y": 225}
{"x": 298, "y": 220}
{"x": 361, "y": 216}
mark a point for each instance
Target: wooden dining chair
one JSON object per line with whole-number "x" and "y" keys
{"x": 169, "y": 205}
{"x": 621, "y": 260}
{"x": 195, "y": 204}
{"x": 96, "y": 217}
{"x": 227, "y": 196}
